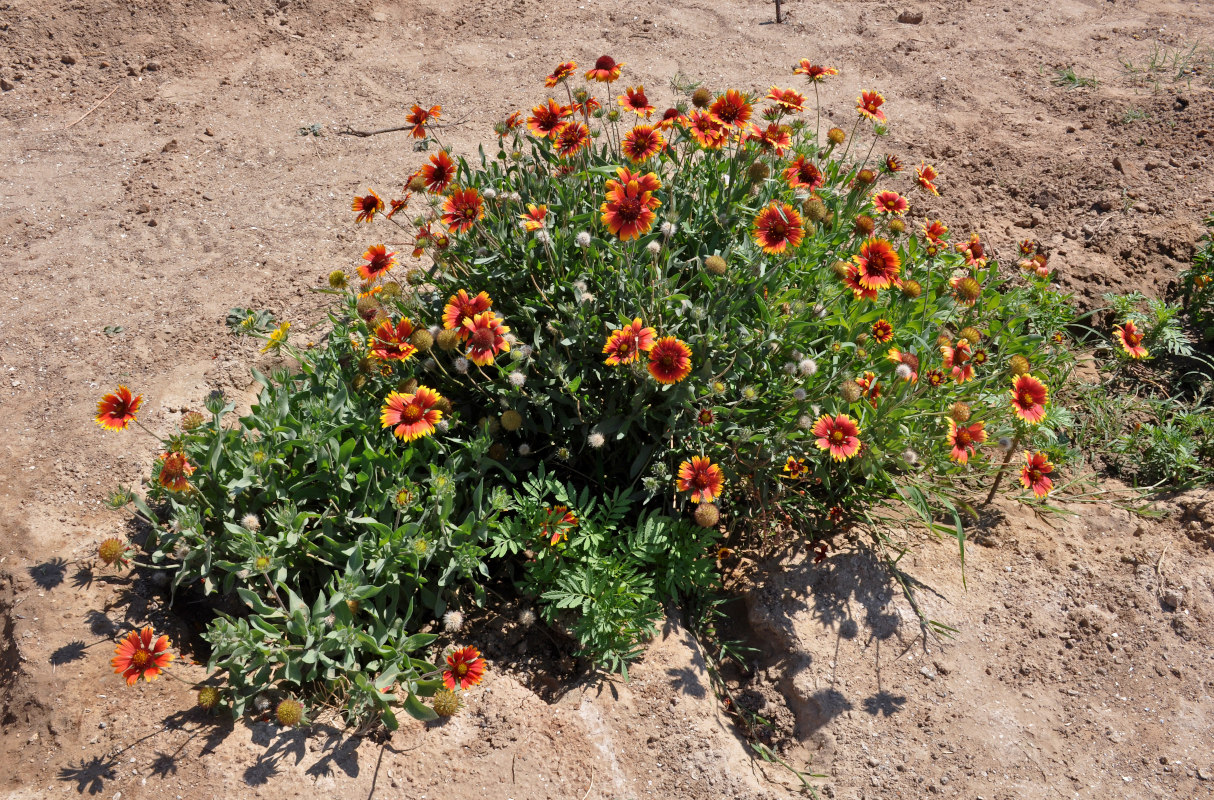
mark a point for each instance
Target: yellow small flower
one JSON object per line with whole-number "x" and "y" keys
{"x": 278, "y": 338}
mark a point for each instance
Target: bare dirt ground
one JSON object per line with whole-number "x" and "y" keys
{"x": 1084, "y": 662}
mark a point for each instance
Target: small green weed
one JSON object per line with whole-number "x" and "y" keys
{"x": 1069, "y": 79}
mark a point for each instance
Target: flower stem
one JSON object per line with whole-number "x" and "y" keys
{"x": 1002, "y": 469}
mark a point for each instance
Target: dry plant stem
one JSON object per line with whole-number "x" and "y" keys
{"x": 1002, "y": 469}
{"x": 363, "y": 134}
{"x": 96, "y": 106}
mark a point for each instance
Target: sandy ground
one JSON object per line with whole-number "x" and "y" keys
{"x": 1082, "y": 667}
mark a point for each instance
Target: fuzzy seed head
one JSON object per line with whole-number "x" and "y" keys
{"x": 864, "y": 225}
{"x": 512, "y": 420}
{"x": 903, "y": 372}
{"x": 1019, "y": 365}
{"x": 707, "y": 515}
{"x": 111, "y": 551}
{"x": 583, "y": 239}
{"x": 460, "y": 365}
{"x": 850, "y": 391}
{"x": 701, "y": 98}
{"x": 453, "y": 621}
{"x": 417, "y": 184}
{"x": 654, "y": 247}
{"x": 208, "y": 698}
{"x": 798, "y": 394}
{"x": 716, "y": 265}
{"x": 960, "y": 412}
{"x": 814, "y": 209}
{"x": 337, "y": 279}
{"x": 250, "y": 522}
{"x": 836, "y": 136}
{"x": 447, "y": 702}
{"x": 526, "y": 618}
{"x": 807, "y": 366}
{"x": 448, "y": 339}
{"x": 912, "y": 289}
{"x": 596, "y": 440}
{"x": 289, "y": 713}
{"x": 192, "y": 421}
{"x": 758, "y": 171}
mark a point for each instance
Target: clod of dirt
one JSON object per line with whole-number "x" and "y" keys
{"x": 909, "y": 17}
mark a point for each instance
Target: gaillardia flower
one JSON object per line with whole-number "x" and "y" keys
{"x": 418, "y": 117}
{"x": 634, "y": 100}
{"x": 964, "y": 439}
{"x": 461, "y": 307}
{"x": 141, "y": 655}
{"x": 1035, "y": 473}
{"x": 669, "y": 360}
{"x": 175, "y": 471}
{"x": 702, "y": 478}
{"x": 571, "y": 137}
{"x": 813, "y": 72}
{"x": 465, "y": 669}
{"x": 439, "y": 173}
{"x": 787, "y": 99}
{"x": 839, "y": 436}
{"x": 868, "y": 104}
{"x": 731, "y": 109}
{"x": 116, "y": 410}
{"x": 605, "y": 70}
{"x": 391, "y": 342}
{"x": 958, "y": 360}
{"x": 1029, "y": 397}
{"x": 486, "y": 337}
{"x": 411, "y": 416}
{"x": 562, "y": 71}
{"x": 883, "y": 331}
{"x": 558, "y": 523}
{"x": 878, "y": 264}
{"x": 1131, "y": 339}
{"x": 642, "y": 142}
{"x": 795, "y": 467}
{"x": 777, "y": 227}
{"x": 888, "y": 202}
{"x": 624, "y": 346}
{"x": 367, "y": 206}
{"x": 801, "y": 173}
{"x": 379, "y": 261}
{"x": 534, "y": 218}
{"x": 546, "y": 119}
{"x": 628, "y": 210}
{"x": 925, "y": 174}
{"x": 462, "y": 209}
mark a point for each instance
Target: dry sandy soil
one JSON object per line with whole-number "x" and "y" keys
{"x": 1084, "y": 662}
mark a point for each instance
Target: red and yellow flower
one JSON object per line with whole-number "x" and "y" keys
{"x": 893, "y": 164}
{"x": 925, "y": 176}
{"x": 642, "y": 142}
{"x": 546, "y": 119}
{"x": 731, "y": 109}
{"x": 439, "y": 173}
{"x": 175, "y": 471}
{"x": 411, "y": 415}
{"x": 462, "y": 209}
{"x": 1034, "y": 474}
{"x": 624, "y": 346}
{"x": 935, "y": 378}
{"x": 559, "y": 520}
{"x": 605, "y": 70}
{"x": 813, "y": 72}
{"x": 629, "y": 210}
{"x": 418, "y": 117}
{"x": 888, "y": 202}
{"x": 870, "y": 387}
{"x": 778, "y": 227}
{"x": 802, "y": 173}
{"x": 795, "y": 467}
{"x": 964, "y": 439}
{"x": 669, "y": 360}
{"x": 774, "y": 138}
{"x": 116, "y": 410}
{"x": 367, "y": 206}
{"x": 868, "y": 104}
{"x": 1029, "y": 397}
{"x": 534, "y": 218}
{"x": 909, "y": 359}
{"x": 934, "y": 231}
{"x": 460, "y": 307}
{"x": 571, "y": 137}
{"x": 958, "y": 361}
{"x": 379, "y": 261}
{"x": 859, "y": 291}
{"x": 883, "y": 331}
{"x": 839, "y": 436}
{"x": 634, "y": 100}
{"x": 787, "y": 99}
{"x": 706, "y": 130}
{"x": 878, "y": 263}
{"x": 975, "y": 252}
{"x": 486, "y": 337}
{"x": 141, "y": 654}
{"x": 702, "y": 478}
{"x": 562, "y": 71}
{"x": 465, "y": 669}
{"x": 391, "y": 342}
{"x": 1131, "y": 339}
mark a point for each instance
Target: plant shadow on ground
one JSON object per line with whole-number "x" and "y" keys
{"x": 339, "y": 750}
{"x": 852, "y": 593}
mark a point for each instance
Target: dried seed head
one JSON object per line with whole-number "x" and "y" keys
{"x": 864, "y": 225}
{"x": 250, "y": 522}
{"x": 337, "y": 279}
{"x": 851, "y": 391}
{"x": 208, "y": 698}
{"x": 758, "y": 171}
{"x": 897, "y": 225}
{"x": 701, "y": 98}
{"x": 512, "y": 420}
{"x": 422, "y": 339}
{"x": 971, "y": 334}
{"x": 417, "y": 184}
{"x": 912, "y": 289}
{"x": 448, "y": 339}
{"x": 836, "y": 136}
{"x": 453, "y": 621}
{"x": 407, "y": 386}
{"x": 968, "y": 290}
{"x": 903, "y": 372}
{"x": 447, "y": 702}
{"x": 707, "y": 515}
{"x": 596, "y": 440}
{"x": 392, "y": 289}
{"x": 289, "y": 713}
{"x": 498, "y": 451}
{"x": 1019, "y": 365}
{"x": 192, "y": 421}
{"x": 814, "y": 209}
{"x": 111, "y": 551}
{"x": 960, "y": 412}
{"x": 716, "y": 265}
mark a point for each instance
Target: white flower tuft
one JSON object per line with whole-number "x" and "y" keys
{"x": 583, "y": 240}
{"x": 452, "y": 621}
{"x": 524, "y": 449}
{"x": 668, "y": 229}
{"x": 654, "y": 247}
{"x": 596, "y": 440}
{"x": 807, "y": 366}
{"x": 526, "y": 618}
{"x": 250, "y": 522}
{"x": 903, "y": 372}
{"x": 489, "y": 193}
{"x": 461, "y": 365}
{"x": 798, "y": 394}
{"x": 517, "y": 379}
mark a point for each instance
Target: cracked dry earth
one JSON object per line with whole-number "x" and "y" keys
{"x": 153, "y": 175}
